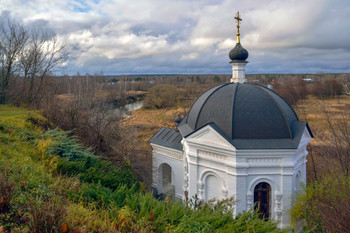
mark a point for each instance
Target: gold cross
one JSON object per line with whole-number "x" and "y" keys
{"x": 238, "y": 19}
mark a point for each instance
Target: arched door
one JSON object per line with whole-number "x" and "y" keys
{"x": 262, "y": 197}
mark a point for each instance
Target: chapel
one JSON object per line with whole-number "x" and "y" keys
{"x": 238, "y": 140}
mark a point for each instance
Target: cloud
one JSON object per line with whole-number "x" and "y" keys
{"x": 190, "y": 56}
{"x": 191, "y": 36}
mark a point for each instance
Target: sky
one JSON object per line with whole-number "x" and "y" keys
{"x": 194, "y": 36}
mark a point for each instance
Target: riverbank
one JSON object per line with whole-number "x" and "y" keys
{"x": 116, "y": 100}
{"x": 126, "y": 110}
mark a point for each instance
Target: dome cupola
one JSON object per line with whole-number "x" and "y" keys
{"x": 238, "y": 53}
{"x": 238, "y": 56}
{"x": 248, "y": 115}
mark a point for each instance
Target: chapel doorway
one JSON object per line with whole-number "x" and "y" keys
{"x": 262, "y": 197}
{"x": 167, "y": 180}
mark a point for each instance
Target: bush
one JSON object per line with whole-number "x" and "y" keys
{"x": 163, "y": 96}
{"x": 326, "y": 88}
{"x": 7, "y": 189}
{"x": 94, "y": 170}
{"x": 9, "y": 216}
{"x": 292, "y": 90}
{"x": 65, "y": 146}
{"x": 45, "y": 215}
{"x": 107, "y": 183}
{"x": 325, "y": 205}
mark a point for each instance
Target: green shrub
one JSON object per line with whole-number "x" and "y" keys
{"x": 76, "y": 160}
{"x": 70, "y": 168}
{"x": 101, "y": 195}
{"x": 65, "y": 146}
{"x": 109, "y": 176}
{"x": 324, "y": 205}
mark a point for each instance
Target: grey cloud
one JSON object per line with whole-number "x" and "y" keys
{"x": 163, "y": 36}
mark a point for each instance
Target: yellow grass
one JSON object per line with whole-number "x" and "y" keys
{"x": 144, "y": 123}
{"x": 313, "y": 111}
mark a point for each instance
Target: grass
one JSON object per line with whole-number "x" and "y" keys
{"x": 36, "y": 198}
{"x": 324, "y": 204}
{"x": 144, "y": 123}
{"x": 312, "y": 110}
{"x": 50, "y": 183}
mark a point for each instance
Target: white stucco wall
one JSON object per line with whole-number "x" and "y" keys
{"x": 209, "y": 165}
{"x": 238, "y": 72}
{"x": 163, "y": 155}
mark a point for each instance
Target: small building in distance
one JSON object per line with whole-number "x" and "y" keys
{"x": 238, "y": 140}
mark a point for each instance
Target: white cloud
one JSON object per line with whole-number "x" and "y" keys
{"x": 186, "y": 31}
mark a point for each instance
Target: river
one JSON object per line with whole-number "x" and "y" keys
{"x": 123, "y": 110}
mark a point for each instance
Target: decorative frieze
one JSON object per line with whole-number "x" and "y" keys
{"x": 202, "y": 153}
{"x": 263, "y": 160}
{"x": 170, "y": 153}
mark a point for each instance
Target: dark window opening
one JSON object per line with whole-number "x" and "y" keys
{"x": 262, "y": 199}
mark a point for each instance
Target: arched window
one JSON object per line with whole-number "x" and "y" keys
{"x": 212, "y": 188}
{"x": 166, "y": 172}
{"x": 166, "y": 180}
{"x": 262, "y": 196}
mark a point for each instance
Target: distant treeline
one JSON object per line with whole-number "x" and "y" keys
{"x": 205, "y": 78}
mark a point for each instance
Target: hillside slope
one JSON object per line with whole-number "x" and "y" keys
{"x": 50, "y": 183}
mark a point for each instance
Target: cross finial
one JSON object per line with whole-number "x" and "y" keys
{"x": 238, "y": 19}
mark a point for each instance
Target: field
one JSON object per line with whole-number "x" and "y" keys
{"x": 144, "y": 123}
{"x": 313, "y": 111}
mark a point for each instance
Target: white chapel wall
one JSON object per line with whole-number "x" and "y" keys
{"x": 163, "y": 155}
{"x": 217, "y": 169}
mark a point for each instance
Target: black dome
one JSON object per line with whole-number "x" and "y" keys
{"x": 242, "y": 111}
{"x": 238, "y": 53}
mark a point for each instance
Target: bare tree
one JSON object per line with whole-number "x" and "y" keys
{"x": 102, "y": 125}
{"x": 336, "y": 139}
{"x": 40, "y": 57}
{"x": 13, "y": 38}
{"x": 32, "y": 54}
